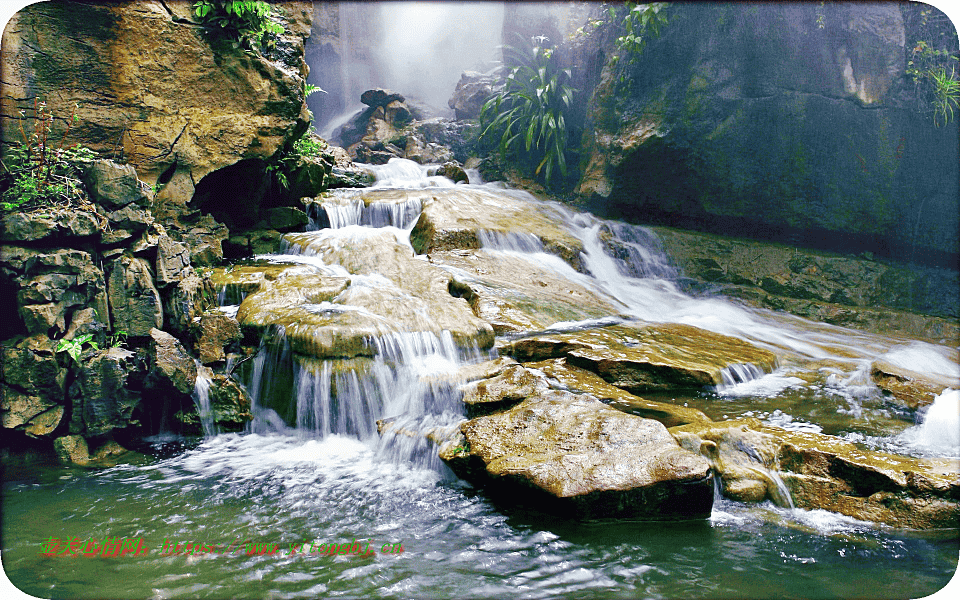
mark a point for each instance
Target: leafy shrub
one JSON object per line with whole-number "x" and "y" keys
{"x": 935, "y": 74}
{"x": 38, "y": 172}
{"x": 639, "y": 22}
{"x": 934, "y": 62}
{"x": 247, "y": 22}
{"x": 74, "y": 347}
{"x": 526, "y": 119}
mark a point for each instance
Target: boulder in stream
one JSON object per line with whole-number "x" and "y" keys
{"x": 646, "y": 357}
{"x": 572, "y": 454}
{"x": 817, "y": 471}
{"x": 461, "y": 218}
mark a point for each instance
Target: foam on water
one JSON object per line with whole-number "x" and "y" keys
{"x": 756, "y": 383}
{"x": 938, "y": 431}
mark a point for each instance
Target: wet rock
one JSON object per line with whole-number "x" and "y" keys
{"x": 115, "y": 186}
{"x": 32, "y": 415}
{"x": 825, "y": 472}
{"x": 187, "y": 300}
{"x": 516, "y": 295}
{"x": 170, "y": 365}
{"x": 841, "y": 290}
{"x": 344, "y": 173}
{"x": 581, "y": 381}
{"x": 409, "y": 295}
{"x": 743, "y": 458}
{"x": 424, "y": 152}
{"x": 135, "y": 305}
{"x": 643, "y": 358}
{"x": 453, "y": 171}
{"x": 214, "y": 333}
{"x": 378, "y": 97}
{"x": 457, "y": 218}
{"x": 72, "y": 449}
{"x": 31, "y": 366}
{"x": 32, "y": 227}
{"x": 253, "y": 243}
{"x": 573, "y": 454}
{"x": 172, "y": 258}
{"x": 396, "y": 113}
{"x": 104, "y": 394}
{"x": 230, "y": 403}
{"x": 472, "y": 91}
{"x": 229, "y": 406}
{"x": 236, "y": 282}
{"x": 284, "y": 219}
{"x": 512, "y": 385}
{"x": 307, "y": 177}
{"x": 910, "y": 388}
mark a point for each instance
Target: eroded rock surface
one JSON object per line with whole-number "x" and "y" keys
{"x": 821, "y": 471}
{"x": 459, "y": 218}
{"x": 584, "y": 458}
{"x": 641, "y": 358}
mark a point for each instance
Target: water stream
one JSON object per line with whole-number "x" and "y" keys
{"x": 246, "y": 515}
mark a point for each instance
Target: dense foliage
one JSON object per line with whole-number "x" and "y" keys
{"x": 39, "y": 171}
{"x": 247, "y": 22}
{"x": 527, "y": 119}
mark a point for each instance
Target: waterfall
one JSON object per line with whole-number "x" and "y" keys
{"x": 415, "y": 48}
{"x": 201, "y": 398}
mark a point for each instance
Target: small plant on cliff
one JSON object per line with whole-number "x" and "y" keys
{"x": 526, "y": 119}
{"x": 934, "y": 64}
{"x": 639, "y": 23}
{"x": 39, "y": 171}
{"x": 74, "y": 347}
{"x": 247, "y": 22}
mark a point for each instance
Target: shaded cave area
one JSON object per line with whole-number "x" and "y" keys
{"x": 238, "y": 195}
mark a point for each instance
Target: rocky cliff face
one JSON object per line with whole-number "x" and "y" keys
{"x": 109, "y": 304}
{"x": 151, "y": 88}
{"x": 751, "y": 120}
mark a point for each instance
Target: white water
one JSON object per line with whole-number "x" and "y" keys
{"x": 201, "y": 397}
{"x": 938, "y": 431}
{"x": 640, "y": 279}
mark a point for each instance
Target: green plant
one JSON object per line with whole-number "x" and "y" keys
{"x": 934, "y": 68}
{"x": 245, "y": 21}
{"x": 639, "y": 23}
{"x": 527, "y": 117}
{"x": 74, "y": 347}
{"x": 39, "y": 172}
{"x": 946, "y": 91}
{"x": 117, "y": 338}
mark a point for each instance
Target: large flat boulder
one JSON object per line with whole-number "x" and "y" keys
{"x": 516, "y": 295}
{"x": 581, "y": 457}
{"x": 582, "y": 381}
{"x": 385, "y": 289}
{"x": 648, "y": 357}
{"x": 461, "y": 217}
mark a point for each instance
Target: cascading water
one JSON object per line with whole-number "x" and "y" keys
{"x": 201, "y": 396}
{"x": 313, "y": 470}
